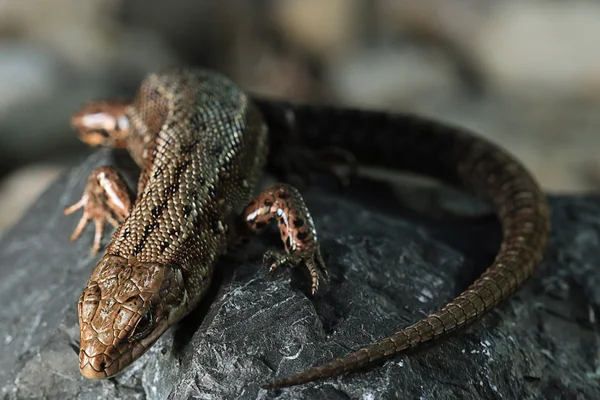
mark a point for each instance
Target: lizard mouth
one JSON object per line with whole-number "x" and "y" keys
{"x": 110, "y": 360}
{"x": 96, "y": 367}
{"x": 116, "y": 329}
{"x": 101, "y": 366}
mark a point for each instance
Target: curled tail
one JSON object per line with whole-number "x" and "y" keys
{"x": 455, "y": 156}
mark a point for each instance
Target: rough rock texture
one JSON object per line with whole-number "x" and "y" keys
{"x": 389, "y": 265}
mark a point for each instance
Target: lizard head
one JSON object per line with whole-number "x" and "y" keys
{"x": 103, "y": 123}
{"x": 126, "y": 306}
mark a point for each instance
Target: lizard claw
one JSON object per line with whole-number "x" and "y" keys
{"x": 311, "y": 259}
{"x": 105, "y": 199}
{"x": 92, "y": 211}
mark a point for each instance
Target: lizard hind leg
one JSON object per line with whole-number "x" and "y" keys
{"x": 106, "y": 198}
{"x": 284, "y": 203}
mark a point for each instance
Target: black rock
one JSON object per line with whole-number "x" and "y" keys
{"x": 390, "y": 266}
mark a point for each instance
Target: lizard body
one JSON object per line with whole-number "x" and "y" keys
{"x": 202, "y": 144}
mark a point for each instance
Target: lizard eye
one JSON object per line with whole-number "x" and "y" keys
{"x": 144, "y": 326}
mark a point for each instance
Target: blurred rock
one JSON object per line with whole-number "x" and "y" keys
{"x": 445, "y": 22}
{"x": 28, "y": 73}
{"x": 324, "y": 28}
{"x": 541, "y": 48}
{"x": 394, "y": 79}
{"x": 79, "y": 32}
{"x": 19, "y": 190}
{"x": 281, "y": 76}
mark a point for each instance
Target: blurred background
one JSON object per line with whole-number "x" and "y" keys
{"x": 524, "y": 73}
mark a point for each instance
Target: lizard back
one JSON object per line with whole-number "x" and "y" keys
{"x": 202, "y": 146}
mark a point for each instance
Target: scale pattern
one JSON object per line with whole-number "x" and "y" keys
{"x": 202, "y": 145}
{"x": 455, "y": 156}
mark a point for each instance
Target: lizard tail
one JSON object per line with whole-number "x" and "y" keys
{"x": 453, "y": 156}
{"x": 467, "y": 307}
{"x": 405, "y": 339}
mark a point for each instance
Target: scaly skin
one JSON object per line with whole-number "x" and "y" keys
{"x": 456, "y": 157}
{"x": 201, "y": 147}
{"x": 202, "y": 144}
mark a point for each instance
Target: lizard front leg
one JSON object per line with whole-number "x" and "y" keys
{"x": 106, "y": 197}
{"x": 284, "y": 203}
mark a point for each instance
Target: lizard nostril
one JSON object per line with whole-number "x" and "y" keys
{"x": 102, "y": 365}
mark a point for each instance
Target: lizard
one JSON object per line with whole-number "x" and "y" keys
{"x": 202, "y": 143}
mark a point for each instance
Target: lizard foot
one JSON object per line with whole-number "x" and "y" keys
{"x": 283, "y": 203}
{"x": 106, "y": 198}
{"x": 312, "y": 260}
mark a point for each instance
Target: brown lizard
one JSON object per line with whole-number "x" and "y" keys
{"x": 202, "y": 144}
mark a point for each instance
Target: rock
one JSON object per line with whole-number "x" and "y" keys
{"x": 323, "y": 29}
{"x": 390, "y": 266}
{"x": 78, "y": 33}
{"x": 541, "y": 48}
{"x": 21, "y": 188}
{"x": 397, "y": 78}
